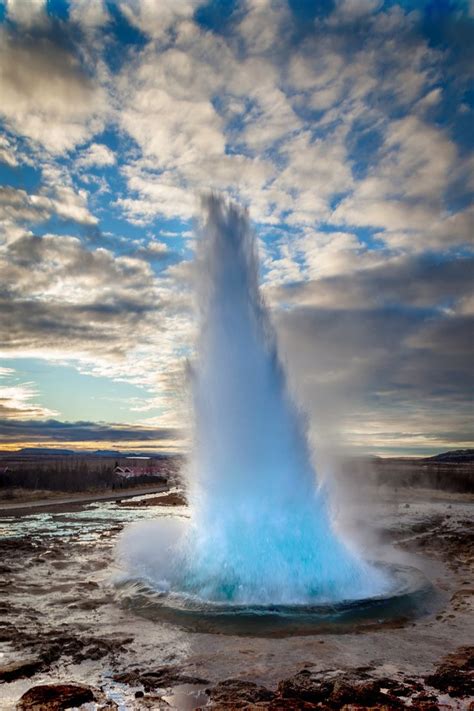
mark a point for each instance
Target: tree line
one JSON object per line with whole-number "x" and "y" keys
{"x": 70, "y": 475}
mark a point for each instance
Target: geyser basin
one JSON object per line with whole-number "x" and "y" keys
{"x": 260, "y": 533}
{"x": 411, "y": 595}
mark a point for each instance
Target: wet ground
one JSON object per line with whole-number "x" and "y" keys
{"x": 60, "y": 621}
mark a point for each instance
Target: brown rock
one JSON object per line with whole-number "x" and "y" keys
{"x": 424, "y": 705}
{"x": 55, "y": 697}
{"x": 52, "y": 645}
{"x": 294, "y": 705}
{"x": 16, "y": 670}
{"x": 455, "y": 676}
{"x": 236, "y": 693}
{"x": 341, "y": 690}
{"x": 306, "y": 686}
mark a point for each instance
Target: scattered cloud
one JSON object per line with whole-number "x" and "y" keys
{"x": 96, "y": 154}
{"x": 19, "y": 208}
{"x": 346, "y": 133}
{"x": 47, "y": 96}
{"x": 17, "y": 400}
{"x": 87, "y": 435}
{"x": 157, "y": 19}
{"x": 89, "y": 14}
{"x": 27, "y": 15}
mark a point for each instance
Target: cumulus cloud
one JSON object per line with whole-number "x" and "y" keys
{"x": 27, "y": 15}
{"x": 108, "y": 315}
{"x": 96, "y": 154}
{"x": 270, "y": 120}
{"x": 384, "y": 345}
{"x": 157, "y": 18}
{"x": 81, "y": 289}
{"x": 47, "y": 95}
{"x": 17, "y": 400}
{"x": 413, "y": 281}
{"x": 8, "y": 152}
{"x": 346, "y": 138}
{"x": 17, "y": 208}
{"x": 87, "y": 434}
{"x": 89, "y": 14}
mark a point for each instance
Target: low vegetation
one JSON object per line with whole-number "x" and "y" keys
{"x": 75, "y": 474}
{"x": 454, "y": 476}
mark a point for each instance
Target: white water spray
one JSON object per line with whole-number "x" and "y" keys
{"x": 260, "y": 531}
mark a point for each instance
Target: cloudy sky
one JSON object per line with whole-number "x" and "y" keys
{"x": 345, "y": 126}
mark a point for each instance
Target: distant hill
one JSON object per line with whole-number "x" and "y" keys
{"x": 455, "y": 455}
{"x": 38, "y": 451}
{"x": 106, "y": 453}
{"x": 120, "y": 455}
{"x": 110, "y": 453}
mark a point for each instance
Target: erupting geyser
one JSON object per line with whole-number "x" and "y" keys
{"x": 260, "y": 531}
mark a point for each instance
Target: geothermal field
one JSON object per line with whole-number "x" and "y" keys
{"x": 70, "y": 617}
{"x": 246, "y": 581}
{"x": 236, "y": 355}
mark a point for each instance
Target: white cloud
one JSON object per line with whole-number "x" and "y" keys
{"x": 17, "y": 207}
{"x": 17, "y": 401}
{"x": 46, "y": 95}
{"x": 156, "y": 18}
{"x": 417, "y": 160}
{"x": 263, "y": 25}
{"x": 157, "y": 195}
{"x": 60, "y": 298}
{"x": 27, "y": 14}
{"x": 90, "y": 14}
{"x": 405, "y": 192}
{"x": 350, "y": 10}
{"x": 299, "y": 128}
{"x": 171, "y": 118}
{"x": 96, "y": 154}
{"x": 8, "y": 152}
{"x": 274, "y": 161}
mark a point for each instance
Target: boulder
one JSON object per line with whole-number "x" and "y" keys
{"x": 55, "y": 697}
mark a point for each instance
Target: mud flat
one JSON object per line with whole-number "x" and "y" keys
{"x": 65, "y": 639}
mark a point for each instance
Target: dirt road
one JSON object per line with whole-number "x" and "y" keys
{"x": 20, "y": 508}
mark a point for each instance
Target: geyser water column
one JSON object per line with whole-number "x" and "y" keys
{"x": 260, "y": 530}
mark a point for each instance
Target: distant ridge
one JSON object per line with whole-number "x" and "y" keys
{"x": 52, "y": 452}
{"x": 111, "y": 453}
{"x": 35, "y": 451}
{"x": 455, "y": 455}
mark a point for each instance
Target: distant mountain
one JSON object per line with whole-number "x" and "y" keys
{"x": 106, "y": 453}
{"x": 52, "y": 451}
{"x": 455, "y": 455}
{"x": 117, "y": 454}
{"x": 38, "y": 451}
{"x": 110, "y": 453}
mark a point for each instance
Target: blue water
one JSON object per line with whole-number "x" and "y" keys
{"x": 260, "y": 529}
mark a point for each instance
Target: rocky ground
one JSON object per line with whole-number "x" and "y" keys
{"x": 66, "y": 642}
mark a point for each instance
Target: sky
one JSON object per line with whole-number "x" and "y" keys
{"x": 346, "y": 129}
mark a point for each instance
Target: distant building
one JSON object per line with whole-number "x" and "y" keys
{"x": 122, "y": 471}
{"x": 132, "y": 472}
